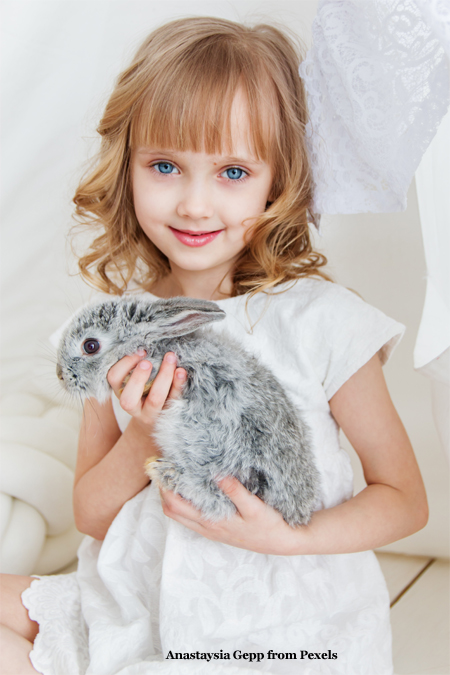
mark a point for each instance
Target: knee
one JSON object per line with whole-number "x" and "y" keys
{"x": 15, "y": 651}
{"x": 13, "y": 614}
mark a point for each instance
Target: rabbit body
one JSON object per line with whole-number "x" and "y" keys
{"x": 233, "y": 417}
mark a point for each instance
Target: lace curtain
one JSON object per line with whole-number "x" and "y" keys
{"x": 377, "y": 82}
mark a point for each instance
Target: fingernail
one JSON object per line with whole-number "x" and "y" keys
{"x": 145, "y": 365}
{"x": 141, "y": 352}
{"x": 181, "y": 375}
{"x": 171, "y": 358}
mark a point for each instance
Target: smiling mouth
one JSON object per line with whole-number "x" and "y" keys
{"x": 190, "y": 238}
{"x": 191, "y": 233}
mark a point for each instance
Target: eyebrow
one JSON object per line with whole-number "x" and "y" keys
{"x": 241, "y": 160}
{"x": 221, "y": 159}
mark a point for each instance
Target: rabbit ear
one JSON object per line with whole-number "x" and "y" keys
{"x": 180, "y": 316}
{"x": 167, "y": 318}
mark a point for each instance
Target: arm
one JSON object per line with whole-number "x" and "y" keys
{"x": 392, "y": 506}
{"x": 110, "y": 465}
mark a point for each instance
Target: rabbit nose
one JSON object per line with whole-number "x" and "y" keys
{"x": 59, "y": 372}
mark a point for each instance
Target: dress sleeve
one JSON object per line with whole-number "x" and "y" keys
{"x": 377, "y": 84}
{"x": 343, "y": 332}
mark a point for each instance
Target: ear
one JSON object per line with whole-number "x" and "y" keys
{"x": 180, "y": 316}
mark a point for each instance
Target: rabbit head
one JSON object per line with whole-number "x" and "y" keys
{"x": 100, "y": 335}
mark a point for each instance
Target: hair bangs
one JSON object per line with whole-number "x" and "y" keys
{"x": 199, "y": 118}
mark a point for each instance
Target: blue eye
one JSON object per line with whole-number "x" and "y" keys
{"x": 165, "y": 167}
{"x": 235, "y": 173}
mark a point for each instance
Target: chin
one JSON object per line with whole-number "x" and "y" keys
{"x": 198, "y": 265}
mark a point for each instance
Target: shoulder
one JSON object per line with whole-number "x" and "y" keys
{"x": 334, "y": 315}
{"x": 333, "y": 326}
{"x": 315, "y": 297}
{"x": 305, "y": 305}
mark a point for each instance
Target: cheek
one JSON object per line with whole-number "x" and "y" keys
{"x": 139, "y": 200}
{"x": 243, "y": 209}
{"x": 149, "y": 205}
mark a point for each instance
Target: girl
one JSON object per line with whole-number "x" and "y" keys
{"x": 202, "y": 189}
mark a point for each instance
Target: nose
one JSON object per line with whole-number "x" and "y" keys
{"x": 196, "y": 201}
{"x": 59, "y": 372}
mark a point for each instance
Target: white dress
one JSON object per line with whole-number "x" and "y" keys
{"x": 154, "y": 587}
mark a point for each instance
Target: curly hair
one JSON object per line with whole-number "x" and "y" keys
{"x": 178, "y": 93}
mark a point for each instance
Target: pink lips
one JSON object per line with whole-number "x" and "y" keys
{"x": 197, "y": 239}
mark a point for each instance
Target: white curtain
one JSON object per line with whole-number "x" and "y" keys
{"x": 432, "y": 350}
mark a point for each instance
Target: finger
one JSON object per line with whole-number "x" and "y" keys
{"x": 246, "y": 503}
{"x": 179, "y": 379}
{"x": 187, "y": 522}
{"x": 131, "y": 397}
{"x": 178, "y": 506}
{"x": 120, "y": 370}
{"x": 162, "y": 384}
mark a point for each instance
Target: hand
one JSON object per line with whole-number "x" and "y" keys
{"x": 168, "y": 384}
{"x": 255, "y": 527}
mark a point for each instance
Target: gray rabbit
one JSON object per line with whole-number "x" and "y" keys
{"x": 233, "y": 417}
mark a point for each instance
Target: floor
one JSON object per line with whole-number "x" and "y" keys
{"x": 419, "y": 589}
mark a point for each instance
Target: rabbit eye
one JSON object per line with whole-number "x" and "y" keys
{"x": 91, "y": 346}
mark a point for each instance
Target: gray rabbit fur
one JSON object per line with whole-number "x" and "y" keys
{"x": 233, "y": 417}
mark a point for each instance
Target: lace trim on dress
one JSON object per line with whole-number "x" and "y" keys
{"x": 377, "y": 83}
{"x": 61, "y": 646}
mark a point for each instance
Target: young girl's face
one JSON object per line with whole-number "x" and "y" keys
{"x": 197, "y": 207}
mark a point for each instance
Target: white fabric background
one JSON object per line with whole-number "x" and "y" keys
{"x": 59, "y": 60}
{"x": 432, "y": 181}
{"x": 377, "y": 81}
{"x": 432, "y": 350}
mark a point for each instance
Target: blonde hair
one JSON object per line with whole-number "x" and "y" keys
{"x": 178, "y": 93}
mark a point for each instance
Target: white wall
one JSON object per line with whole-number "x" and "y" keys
{"x": 59, "y": 60}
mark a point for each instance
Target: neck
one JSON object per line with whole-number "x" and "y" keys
{"x": 203, "y": 285}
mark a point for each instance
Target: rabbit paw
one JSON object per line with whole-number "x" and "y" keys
{"x": 147, "y": 387}
{"x": 163, "y": 472}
